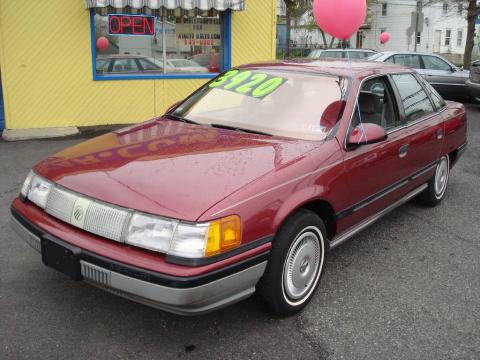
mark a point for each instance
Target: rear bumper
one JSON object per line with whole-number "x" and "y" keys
{"x": 180, "y": 295}
{"x": 473, "y": 89}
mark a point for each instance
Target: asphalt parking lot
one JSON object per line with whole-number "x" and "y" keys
{"x": 406, "y": 288}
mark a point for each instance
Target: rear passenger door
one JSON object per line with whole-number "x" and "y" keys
{"x": 424, "y": 121}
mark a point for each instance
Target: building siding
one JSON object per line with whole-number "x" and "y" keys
{"x": 46, "y": 65}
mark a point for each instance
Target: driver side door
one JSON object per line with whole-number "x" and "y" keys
{"x": 375, "y": 173}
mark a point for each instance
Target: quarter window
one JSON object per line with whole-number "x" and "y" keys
{"x": 416, "y": 103}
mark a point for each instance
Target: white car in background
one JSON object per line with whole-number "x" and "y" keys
{"x": 181, "y": 66}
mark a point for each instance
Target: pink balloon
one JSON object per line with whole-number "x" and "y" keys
{"x": 384, "y": 37}
{"x": 340, "y": 18}
{"x": 102, "y": 43}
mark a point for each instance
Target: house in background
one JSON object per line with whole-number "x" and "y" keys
{"x": 444, "y": 27}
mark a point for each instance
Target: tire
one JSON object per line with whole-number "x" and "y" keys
{"x": 437, "y": 185}
{"x": 295, "y": 264}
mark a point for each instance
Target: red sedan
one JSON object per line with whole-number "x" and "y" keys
{"x": 244, "y": 186}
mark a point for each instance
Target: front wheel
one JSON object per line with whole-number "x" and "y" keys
{"x": 296, "y": 263}
{"x": 437, "y": 185}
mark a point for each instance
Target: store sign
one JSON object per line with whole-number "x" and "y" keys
{"x": 131, "y": 25}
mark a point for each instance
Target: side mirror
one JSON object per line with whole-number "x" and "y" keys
{"x": 366, "y": 133}
{"x": 173, "y": 106}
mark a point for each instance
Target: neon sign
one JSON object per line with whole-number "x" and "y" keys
{"x": 140, "y": 25}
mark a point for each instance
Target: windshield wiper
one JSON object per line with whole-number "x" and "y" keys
{"x": 236, "y": 128}
{"x": 179, "y": 118}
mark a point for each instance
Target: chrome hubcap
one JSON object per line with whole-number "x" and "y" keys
{"x": 441, "y": 177}
{"x": 302, "y": 265}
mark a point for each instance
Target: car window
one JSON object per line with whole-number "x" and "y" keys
{"x": 409, "y": 60}
{"x": 294, "y": 104}
{"x": 148, "y": 66}
{"x": 435, "y": 63}
{"x": 389, "y": 60}
{"x": 125, "y": 65}
{"x": 355, "y": 54}
{"x": 102, "y": 64}
{"x": 415, "y": 100}
{"x": 315, "y": 53}
{"x": 332, "y": 54}
{"x": 437, "y": 99}
{"x": 376, "y": 105}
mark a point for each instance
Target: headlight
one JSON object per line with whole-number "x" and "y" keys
{"x": 38, "y": 191}
{"x": 150, "y": 232}
{"x": 27, "y": 183}
{"x": 182, "y": 239}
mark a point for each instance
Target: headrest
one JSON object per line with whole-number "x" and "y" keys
{"x": 367, "y": 102}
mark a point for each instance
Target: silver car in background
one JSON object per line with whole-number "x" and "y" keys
{"x": 446, "y": 78}
{"x": 341, "y": 53}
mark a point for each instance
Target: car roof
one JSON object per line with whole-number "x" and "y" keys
{"x": 353, "y": 50}
{"x": 338, "y": 67}
{"x": 406, "y": 52}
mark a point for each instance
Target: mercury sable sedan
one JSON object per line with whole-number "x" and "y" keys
{"x": 243, "y": 186}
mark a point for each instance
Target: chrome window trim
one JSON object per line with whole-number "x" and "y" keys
{"x": 405, "y": 126}
{"x": 356, "y": 102}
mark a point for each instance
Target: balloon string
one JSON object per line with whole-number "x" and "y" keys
{"x": 357, "y": 105}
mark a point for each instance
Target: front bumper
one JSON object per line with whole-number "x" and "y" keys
{"x": 180, "y": 295}
{"x": 473, "y": 89}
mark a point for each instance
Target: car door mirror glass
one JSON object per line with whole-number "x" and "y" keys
{"x": 366, "y": 133}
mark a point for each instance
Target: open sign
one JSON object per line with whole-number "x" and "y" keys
{"x": 131, "y": 25}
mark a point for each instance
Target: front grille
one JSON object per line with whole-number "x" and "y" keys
{"x": 95, "y": 273}
{"x": 96, "y": 217}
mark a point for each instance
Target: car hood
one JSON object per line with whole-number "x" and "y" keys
{"x": 169, "y": 168}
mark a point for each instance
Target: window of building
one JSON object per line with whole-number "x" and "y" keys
{"x": 416, "y": 103}
{"x": 460, "y": 8}
{"x": 445, "y": 8}
{"x": 459, "y": 37}
{"x": 178, "y": 44}
{"x": 384, "y": 9}
{"x": 448, "y": 34}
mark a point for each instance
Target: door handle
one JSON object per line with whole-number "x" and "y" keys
{"x": 402, "y": 152}
{"x": 440, "y": 134}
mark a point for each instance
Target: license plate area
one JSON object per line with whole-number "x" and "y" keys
{"x": 61, "y": 257}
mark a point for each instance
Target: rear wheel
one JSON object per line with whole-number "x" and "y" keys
{"x": 295, "y": 265}
{"x": 437, "y": 185}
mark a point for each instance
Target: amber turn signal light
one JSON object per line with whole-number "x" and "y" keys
{"x": 223, "y": 235}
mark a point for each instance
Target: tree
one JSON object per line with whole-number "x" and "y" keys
{"x": 472, "y": 11}
{"x": 293, "y": 9}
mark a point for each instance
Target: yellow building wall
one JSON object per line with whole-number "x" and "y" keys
{"x": 46, "y": 66}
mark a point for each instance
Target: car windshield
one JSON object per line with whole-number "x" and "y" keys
{"x": 374, "y": 56}
{"x": 301, "y": 105}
